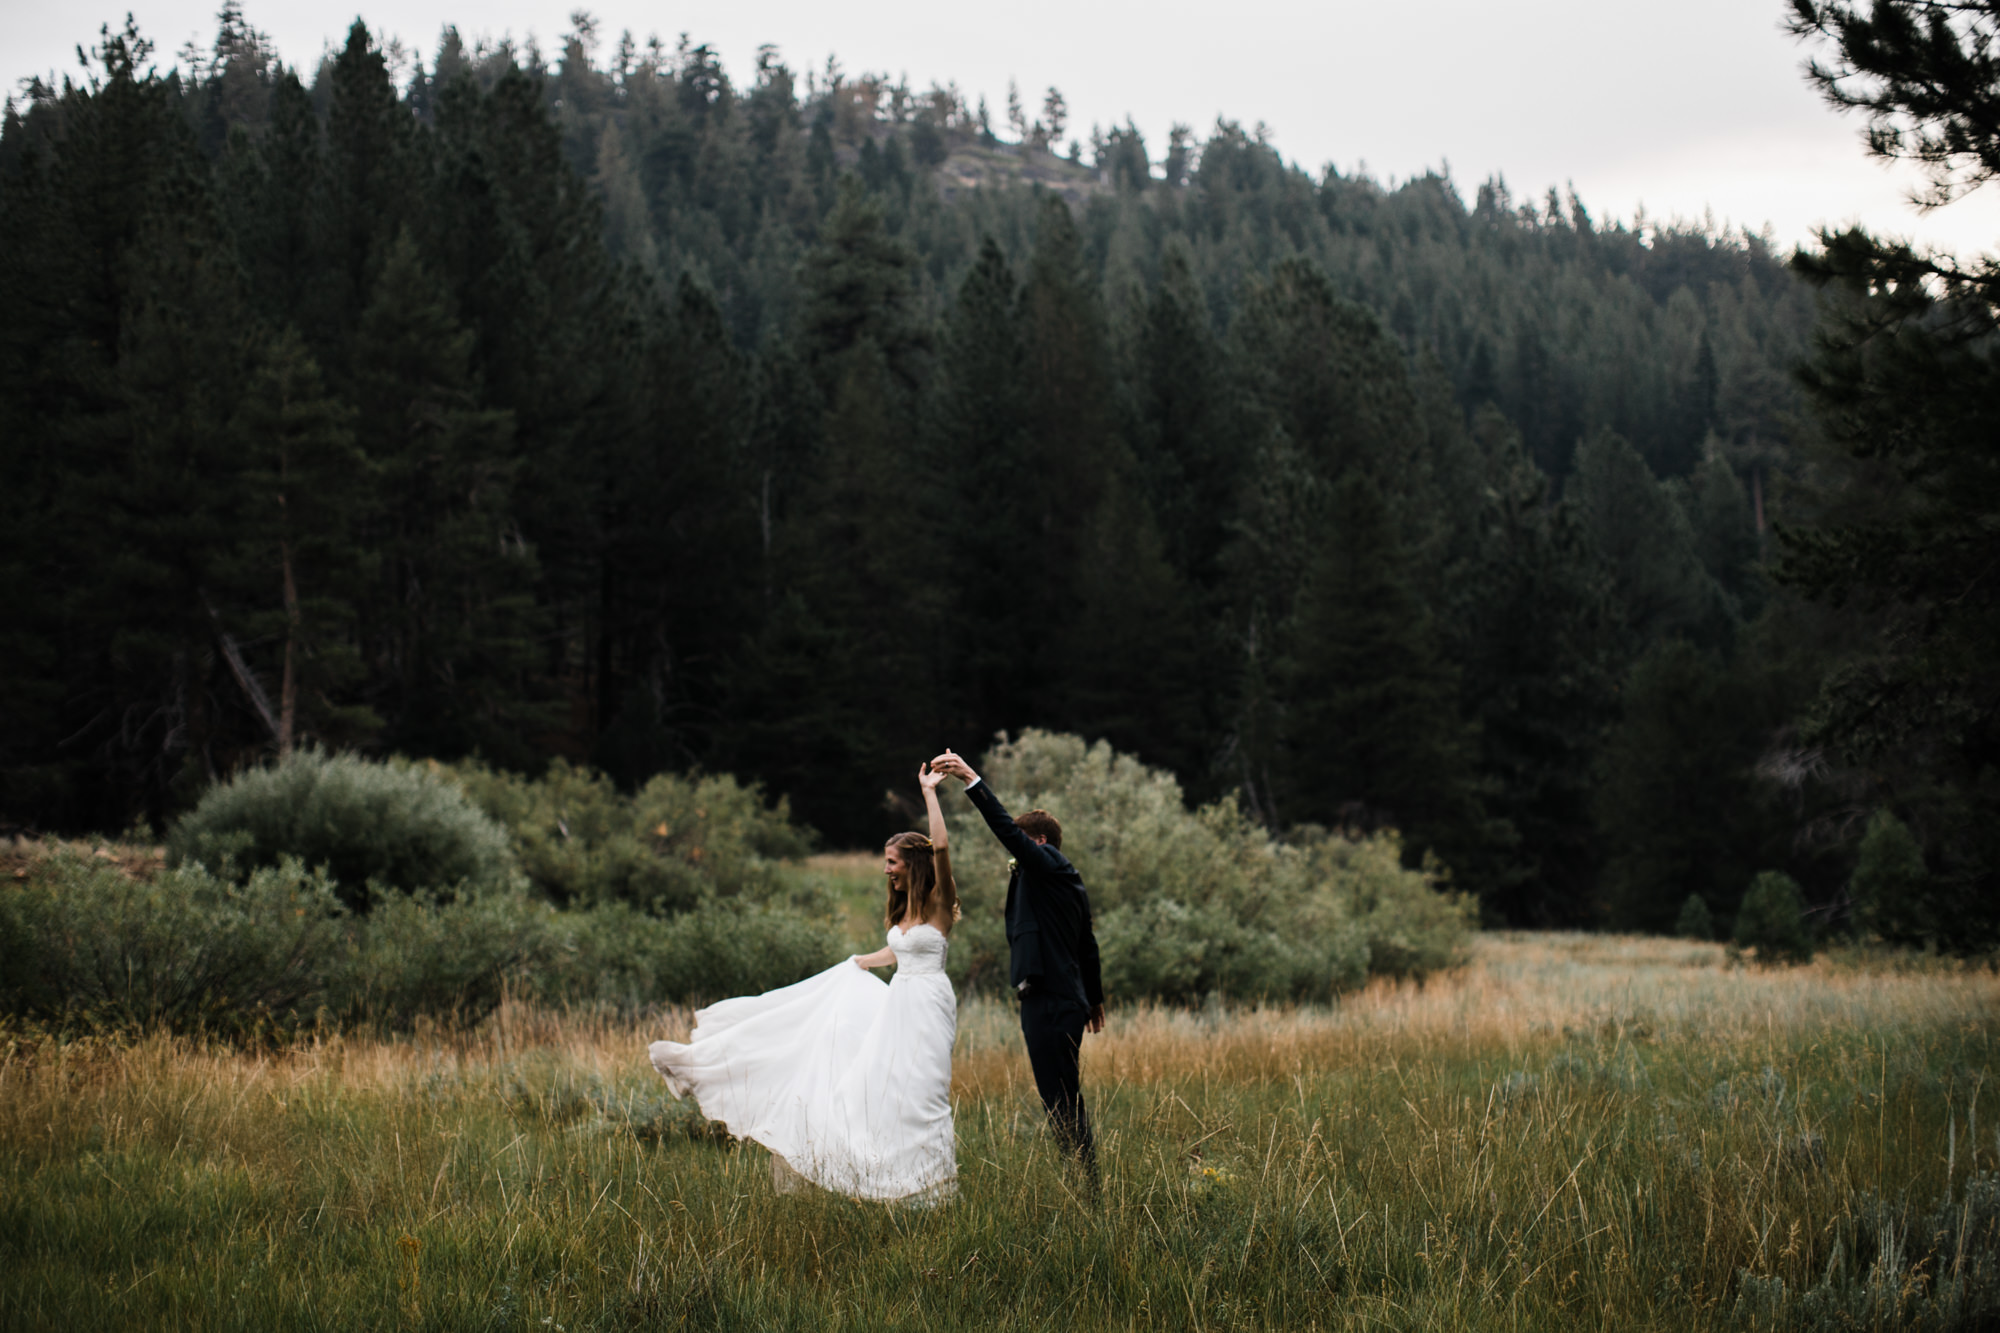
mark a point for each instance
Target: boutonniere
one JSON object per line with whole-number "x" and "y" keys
{"x": 1012, "y": 864}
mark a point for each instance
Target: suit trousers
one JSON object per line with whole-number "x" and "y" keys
{"x": 1052, "y": 1026}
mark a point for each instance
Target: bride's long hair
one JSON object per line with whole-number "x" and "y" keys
{"x": 920, "y": 881}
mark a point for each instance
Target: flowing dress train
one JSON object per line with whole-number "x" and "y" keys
{"x": 845, "y": 1078}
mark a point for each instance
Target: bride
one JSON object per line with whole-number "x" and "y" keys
{"x": 846, "y": 1079}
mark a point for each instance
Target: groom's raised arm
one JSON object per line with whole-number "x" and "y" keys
{"x": 1024, "y": 848}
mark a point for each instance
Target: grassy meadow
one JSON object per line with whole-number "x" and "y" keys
{"x": 1568, "y": 1132}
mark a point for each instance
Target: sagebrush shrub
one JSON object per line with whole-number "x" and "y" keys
{"x": 731, "y": 947}
{"x": 371, "y": 825}
{"x": 1193, "y": 902}
{"x": 676, "y": 842}
{"x": 673, "y": 891}
{"x": 1170, "y": 951}
{"x": 415, "y": 955}
{"x": 571, "y": 830}
{"x": 82, "y": 943}
{"x": 459, "y": 959}
{"x": 1406, "y": 924}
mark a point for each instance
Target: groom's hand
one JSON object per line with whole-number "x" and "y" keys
{"x": 1096, "y": 1023}
{"x": 953, "y": 766}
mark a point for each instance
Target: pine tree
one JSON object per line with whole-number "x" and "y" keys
{"x": 822, "y": 169}
{"x": 1534, "y": 624}
{"x": 1182, "y": 437}
{"x": 1103, "y": 605}
{"x": 281, "y": 211}
{"x": 304, "y": 487}
{"x": 984, "y": 449}
{"x": 1892, "y": 892}
{"x": 1905, "y": 381}
{"x": 629, "y": 229}
{"x": 1323, "y": 370}
{"x": 1132, "y": 660}
{"x": 859, "y": 285}
{"x": 451, "y": 633}
{"x": 1324, "y": 400}
{"x": 1695, "y": 922}
{"x": 99, "y": 701}
{"x": 41, "y": 366}
{"x": 1677, "y": 804}
{"x": 785, "y": 450}
{"x": 1371, "y": 734}
{"x": 680, "y": 557}
{"x": 1072, "y": 452}
{"x": 850, "y": 674}
{"x": 1725, "y": 533}
{"x": 859, "y": 566}
{"x": 1646, "y": 545}
{"x": 1772, "y": 920}
{"x": 369, "y": 175}
{"x": 171, "y": 485}
{"x": 514, "y": 238}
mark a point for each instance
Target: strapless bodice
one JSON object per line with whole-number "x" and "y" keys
{"x": 919, "y": 952}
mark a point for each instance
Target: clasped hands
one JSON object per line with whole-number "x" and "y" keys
{"x": 947, "y": 765}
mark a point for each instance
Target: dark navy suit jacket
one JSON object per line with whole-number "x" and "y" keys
{"x": 1049, "y": 940}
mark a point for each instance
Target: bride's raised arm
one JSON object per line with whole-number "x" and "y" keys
{"x": 929, "y": 778}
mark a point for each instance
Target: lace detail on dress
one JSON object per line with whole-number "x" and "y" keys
{"x": 919, "y": 952}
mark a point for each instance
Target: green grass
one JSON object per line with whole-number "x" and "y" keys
{"x": 1569, "y": 1133}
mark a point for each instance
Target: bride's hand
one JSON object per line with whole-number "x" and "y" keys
{"x": 929, "y": 777}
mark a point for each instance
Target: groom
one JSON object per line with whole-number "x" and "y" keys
{"x": 1053, "y": 956}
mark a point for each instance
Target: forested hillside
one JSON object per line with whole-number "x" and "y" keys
{"x": 628, "y": 409}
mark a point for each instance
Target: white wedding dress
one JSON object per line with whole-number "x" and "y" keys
{"x": 845, "y": 1078}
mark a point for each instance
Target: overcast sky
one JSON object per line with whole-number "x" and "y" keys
{"x": 1680, "y": 109}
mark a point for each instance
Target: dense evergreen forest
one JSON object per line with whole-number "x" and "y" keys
{"x": 612, "y": 408}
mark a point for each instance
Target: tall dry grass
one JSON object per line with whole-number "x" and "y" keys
{"x": 1570, "y": 1132}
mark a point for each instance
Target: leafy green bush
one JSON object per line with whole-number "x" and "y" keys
{"x": 236, "y": 933}
{"x": 1772, "y": 919}
{"x": 1891, "y": 884}
{"x": 416, "y": 956}
{"x": 371, "y": 825}
{"x": 1695, "y": 922}
{"x": 675, "y": 843}
{"x": 614, "y": 955}
{"x": 82, "y": 943}
{"x": 1170, "y": 951}
{"x": 1409, "y": 927}
{"x": 456, "y": 959}
{"x": 1205, "y": 901}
